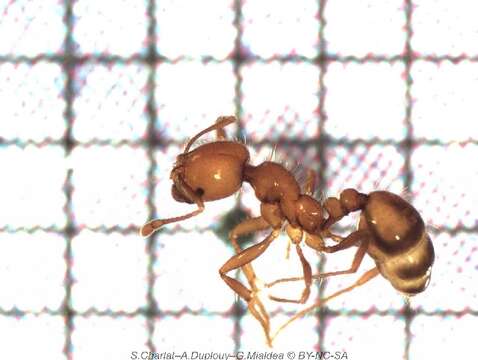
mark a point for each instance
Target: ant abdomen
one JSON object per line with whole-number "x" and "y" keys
{"x": 399, "y": 243}
{"x": 395, "y": 224}
{"x": 410, "y": 272}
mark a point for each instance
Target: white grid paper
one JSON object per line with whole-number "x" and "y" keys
{"x": 279, "y": 101}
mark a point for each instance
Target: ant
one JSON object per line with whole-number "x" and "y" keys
{"x": 390, "y": 230}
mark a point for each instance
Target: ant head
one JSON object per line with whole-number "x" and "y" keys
{"x": 207, "y": 172}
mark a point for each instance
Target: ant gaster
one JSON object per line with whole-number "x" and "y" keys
{"x": 390, "y": 230}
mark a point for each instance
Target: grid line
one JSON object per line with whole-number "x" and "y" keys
{"x": 15, "y": 312}
{"x": 321, "y": 146}
{"x": 153, "y": 141}
{"x": 240, "y": 57}
{"x": 408, "y": 146}
{"x": 70, "y": 231}
{"x": 324, "y": 138}
{"x": 238, "y": 310}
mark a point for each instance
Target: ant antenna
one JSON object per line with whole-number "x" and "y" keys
{"x": 222, "y": 121}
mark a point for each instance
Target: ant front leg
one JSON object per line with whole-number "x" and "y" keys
{"x": 239, "y": 260}
{"x": 248, "y": 226}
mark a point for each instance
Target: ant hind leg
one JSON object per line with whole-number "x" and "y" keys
{"x": 356, "y": 237}
{"x": 307, "y": 270}
{"x": 366, "y": 277}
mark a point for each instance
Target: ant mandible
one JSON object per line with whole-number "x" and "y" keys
{"x": 390, "y": 230}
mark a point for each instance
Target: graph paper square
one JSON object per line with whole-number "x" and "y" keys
{"x": 452, "y": 24}
{"x": 450, "y": 336}
{"x": 273, "y": 28}
{"x": 182, "y": 33}
{"x": 190, "y": 333}
{"x": 193, "y": 92}
{"x": 37, "y": 194}
{"x": 445, "y": 172}
{"x": 111, "y": 102}
{"x": 98, "y": 337}
{"x": 376, "y": 111}
{"x": 299, "y": 336}
{"x": 42, "y": 335}
{"x": 31, "y": 28}
{"x": 278, "y": 99}
{"x": 109, "y": 272}
{"x": 358, "y": 167}
{"x": 358, "y": 336}
{"x": 110, "y": 184}
{"x": 110, "y": 27}
{"x": 36, "y": 282}
{"x": 361, "y": 28}
{"x": 446, "y": 93}
{"x": 31, "y": 101}
{"x": 177, "y": 288}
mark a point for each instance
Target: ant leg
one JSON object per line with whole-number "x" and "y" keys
{"x": 344, "y": 243}
{"x": 358, "y": 257}
{"x": 295, "y": 236}
{"x": 315, "y": 242}
{"x": 307, "y": 270}
{"x": 239, "y": 260}
{"x": 153, "y": 225}
{"x": 354, "y": 238}
{"x": 366, "y": 277}
{"x": 248, "y": 226}
{"x": 245, "y": 227}
{"x": 307, "y": 279}
{"x": 287, "y": 252}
